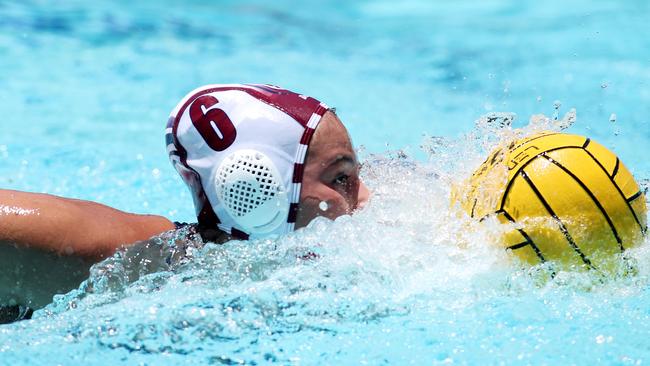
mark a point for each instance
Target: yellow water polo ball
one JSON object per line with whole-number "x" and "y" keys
{"x": 566, "y": 198}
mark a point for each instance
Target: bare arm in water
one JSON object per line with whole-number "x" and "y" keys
{"x": 71, "y": 227}
{"x": 48, "y": 243}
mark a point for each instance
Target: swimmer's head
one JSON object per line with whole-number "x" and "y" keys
{"x": 241, "y": 150}
{"x": 331, "y": 186}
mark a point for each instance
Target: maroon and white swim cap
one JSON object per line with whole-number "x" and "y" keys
{"x": 241, "y": 151}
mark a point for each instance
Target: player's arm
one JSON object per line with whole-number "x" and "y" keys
{"x": 71, "y": 227}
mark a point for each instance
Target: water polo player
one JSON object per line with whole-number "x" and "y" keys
{"x": 259, "y": 161}
{"x": 241, "y": 150}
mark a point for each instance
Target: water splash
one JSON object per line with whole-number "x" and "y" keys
{"x": 323, "y": 206}
{"x": 409, "y": 261}
{"x": 612, "y": 118}
{"x": 19, "y": 211}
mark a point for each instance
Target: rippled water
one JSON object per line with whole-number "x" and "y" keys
{"x": 85, "y": 91}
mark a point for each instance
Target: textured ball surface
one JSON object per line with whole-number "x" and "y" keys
{"x": 567, "y": 199}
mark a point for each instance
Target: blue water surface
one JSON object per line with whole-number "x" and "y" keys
{"x": 85, "y": 91}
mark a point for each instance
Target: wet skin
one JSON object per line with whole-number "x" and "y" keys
{"x": 331, "y": 174}
{"x": 48, "y": 243}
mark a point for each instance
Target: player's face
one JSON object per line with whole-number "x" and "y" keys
{"x": 331, "y": 186}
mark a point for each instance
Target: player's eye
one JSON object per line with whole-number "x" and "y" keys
{"x": 341, "y": 179}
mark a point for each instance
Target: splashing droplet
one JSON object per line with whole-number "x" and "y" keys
{"x": 566, "y": 121}
{"x": 495, "y": 120}
{"x": 556, "y": 106}
{"x": 612, "y": 118}
{"x": 323, "y": 206}
{"x": 604, "y": 85}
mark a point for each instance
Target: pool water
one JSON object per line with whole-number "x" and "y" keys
{"x": 85, "y": 91}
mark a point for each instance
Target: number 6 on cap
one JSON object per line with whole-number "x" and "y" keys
{"x": 215, "y": 127}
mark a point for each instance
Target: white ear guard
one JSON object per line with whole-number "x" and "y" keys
{"x": 241, "y": 150}
{"x": 251, "y": 190}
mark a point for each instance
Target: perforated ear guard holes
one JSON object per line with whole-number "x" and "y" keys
{"x": 251, "y": 190}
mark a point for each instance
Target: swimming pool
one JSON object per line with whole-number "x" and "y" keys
{"x": 85, "y": 92}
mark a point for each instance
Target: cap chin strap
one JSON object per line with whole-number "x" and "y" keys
{"x": 250, "y": 187}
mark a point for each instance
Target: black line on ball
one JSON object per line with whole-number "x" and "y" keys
{"x": 474, "y": 207}
{"x": 592, "y": 196}
{"x": 511, "y": 181}
{"x": 563, "y": 228}
{"x": 618, "y": 189}
{"x": 587, "y": 141}
{"x": 634, "y": 196}
{"x": 618, "y": 162}
{"x": 519, "y": 246}
{"x": 529, "y": 240}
